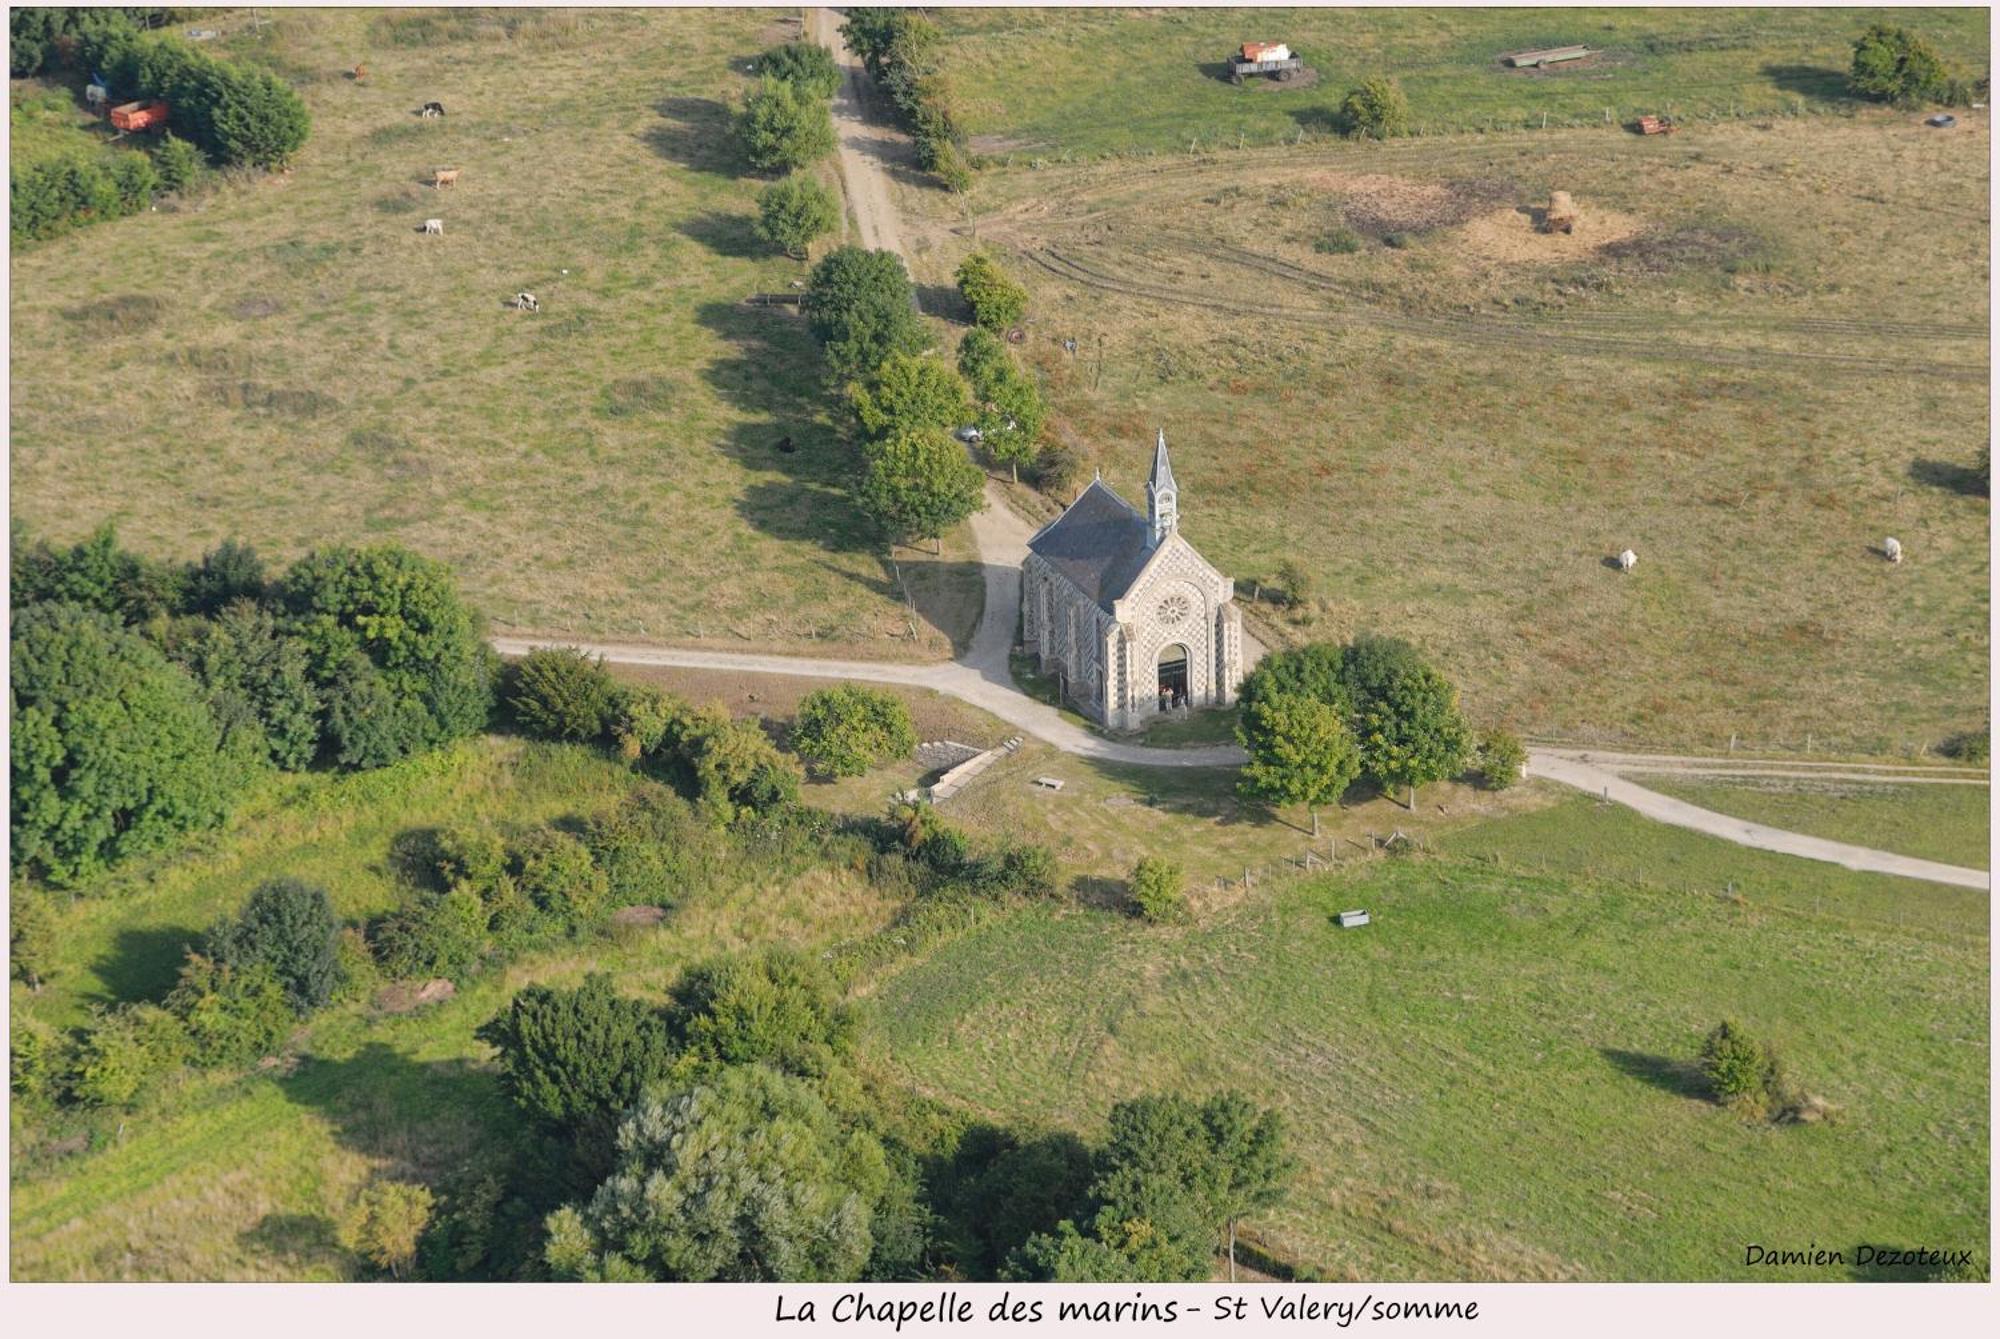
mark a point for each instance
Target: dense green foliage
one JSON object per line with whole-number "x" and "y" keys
{"x": 1893, "y": 64}
{"x": 54, "y": 195}
{"x": 908, "y": 393}
{"x": 845, "y": 730}
{"x": 1378, "y": 109}
{"x": 784, "y": 127}
{"x": 232, "y": 1014}
{"x": 113, "y": 751}
{"x": 996, "y": 299}
{"x": 796, "y": 212}
{"x": 862, "y": 310}
{"x": 920, "y": 483}
{"x": 1502, "y": 755}
{"x": 1740, "y": 1070}
{"x": 289, "y": 928}
{"x": 1008, "y": 406}
{"x": 1159, "y": 890}
{"x": 779, "y": 1008}
{"x": 235, "y": 113}
{"x": 258, "y": 680}
{"x": 1301, "y": 751}
{"x": 902, "y": 50}
{"x": 560, "y": 692}
{"x": 808, "y": 65}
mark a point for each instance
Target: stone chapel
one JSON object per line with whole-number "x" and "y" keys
{"x": 1124, "y": 613}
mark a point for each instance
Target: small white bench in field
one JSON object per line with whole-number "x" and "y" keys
{"x": 1347, "y": 920}
{"x": 1049, "y": 782}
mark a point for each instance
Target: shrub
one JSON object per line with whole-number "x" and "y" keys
{"x": 113, "y": 752}
{"x": 1159, "y": 890}
{"x": 97, "y": 574}
{"x": 1740, "y": 1070}
{"x": 178, "y": 163}
{"x": 123, "y": 1051}
{"x": 861, "y": 308}
{"x": 233, "y": 1015}
{"x": 1028, "y": 871}
{"x": 470, "y": 856}
{"x": 1057, "y": 471}
{"x": 727, "y": 767}
{"x": 287, "y": 925}
{"x": 31, "y": 933}
{"x": 796, "y": 212}
{"x": 1296, "y": 580}
{"x": 1377, "y": 109}
{"x": 440, "y": 935}
{"x": 643, "y": 848}
{"x": 997, "y": 301}
{"x": 843, "y": 731}
{"x": 1340, "y": 240}
{"x": 1893, "y": 64}
{"x": 387, "y": 1222}
{"x": 554, "y": 871}
{"x": 53, "y": 195}
{"x": 808, "y": 65}
{"x": 1502, "y": 755}
{"x": 639, "y": 717}
{"x": 1973, "y": 747}
{"x": 39, "y": 1059}
{"x": 780, "y": 1007}
{"x": 237, "y": 114}
{"x": 1010, "y": 407}
{"x": 784, "y": 127}
{"x": 560, "y": 692}
{"x": 909, "y": 393}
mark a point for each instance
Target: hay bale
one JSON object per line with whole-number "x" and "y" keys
{"x": 1561, "y": 215}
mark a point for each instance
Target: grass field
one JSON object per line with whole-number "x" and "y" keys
{"x": 1487, "y": 1082}
{"x": 288, "y": 360}
{"x": 1746, "y": 365}
{"x": 1051, "y": 82}
{"x": 1948, "y": 823}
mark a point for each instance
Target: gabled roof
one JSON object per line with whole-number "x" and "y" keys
{"x": 1099, "y": 544}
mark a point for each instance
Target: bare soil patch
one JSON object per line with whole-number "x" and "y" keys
{"x": 1513, "y": 235}
{"x": 1377, "y": 203}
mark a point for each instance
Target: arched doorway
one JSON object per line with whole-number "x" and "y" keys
{"x": 1173, "y": 676}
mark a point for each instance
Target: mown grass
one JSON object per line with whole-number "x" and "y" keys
{"x": 1432, "y": 433}
{"x": 1937, "y": 822}
{"x": 238, "y": 1177}
{"x": 1487, "y": 1082}
{"x": 315, "y": 370}
{"x": 1046, "y": 82}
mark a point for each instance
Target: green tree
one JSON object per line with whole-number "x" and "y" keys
{"x": 561, "y": 692}
{"x": 868, "y": 33}
{"x": 1739, "y": 1069}
{"x": 287, "y": 925}
{"x": 233, "y": 1015}
{"x": 727, "y": 767}
{"x": 257, "y": 679}
{"x": 1378, "y": 109}
{"x": 387, "y": 1222}
{"x": 123, "y": 1051}
{"x": 443, "y": 935}
{"x": 1502, "y": 755}
{"x": 743, "y": 1176}
{"x": 808, "y": 65}
{"x": 997, "y": 301}
{"x": 113, "y": 751}
{"x": 847, "y": 729}
{"x": 779, "y": 1007}
{"x": 1316, "y": 670}
{"x": 554, "y": 871}
{"x": 909, "y": 393}
{"x": 1251, "y": 1164}
{"x": 1406, "y": 715}
{"x": 1893, "y": 64}
{"x": 1301, "y": 752}
{"x": 920, "y": 484}
{"x": 178, "y": 163}
{"x": 1159, "y": 890}
{"x": 796, "y": 212}
{"x": 862, "y": 309}
{"x": 1009, "y": 406}
{"x": 31, "y": 933}
{"x": 784, "y": 127}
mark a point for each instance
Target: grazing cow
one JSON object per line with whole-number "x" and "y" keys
{"x": 526, "y": 302}
{"x": 359, "y": 73}
{"x": 1627, "y": 561}
{"x": 1892, "y": 549}
{"x": 430, "y": 109}
{"x": 443, "y": 177}
{"x": 433, "y": 227}
{"x": 95, "y": 96}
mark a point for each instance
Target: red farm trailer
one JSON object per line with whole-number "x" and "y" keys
{"x": 130, "y": 116}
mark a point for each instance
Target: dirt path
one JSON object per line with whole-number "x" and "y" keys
{"x": 865, "y": 148}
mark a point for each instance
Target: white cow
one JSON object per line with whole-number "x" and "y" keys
{"x": 1892, "y": 549}
{"x": 526, "y": 302}
{"x": 433, "y": 227}
{"x": 95, "y": 96}
{"x": 1627, "y": 561}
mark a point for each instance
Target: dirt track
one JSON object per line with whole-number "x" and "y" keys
{"x": 864, "y": 146}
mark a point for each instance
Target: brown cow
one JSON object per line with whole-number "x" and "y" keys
{"x": 443, "y": 177}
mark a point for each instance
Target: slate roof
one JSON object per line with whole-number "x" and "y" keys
{"x": 1099, "y": 544}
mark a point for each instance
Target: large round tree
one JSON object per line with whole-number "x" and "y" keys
{"x": 114, "y": 751}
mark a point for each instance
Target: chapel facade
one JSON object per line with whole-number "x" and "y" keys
{"x": 1123, "y": 612}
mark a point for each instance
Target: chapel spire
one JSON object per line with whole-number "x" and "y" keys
{"x": 1162, "y": 497}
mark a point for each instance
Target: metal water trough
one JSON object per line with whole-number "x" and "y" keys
{"x": 1348, "y": 920}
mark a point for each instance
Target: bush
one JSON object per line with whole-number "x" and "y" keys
{"x": 1057, "y": 471}
{"x": 237, "y": 114}
{"x": 843, "y": 731}
{"x": 440, "y": 935}
{"x": 233, "y": 1015}
{"x": 796, "y": 212}
{"x": 644, "y": 847}
{"x": 387, "y": 1222}
{"x": 560, "y": 692}
{"x": 178, "y": 163}
{"x": 554, "y": 871}
{"x": 1159, "y": 890}
{"x": 639, "y": 718}
{"x": 39, "y": 1059}
{"x": 807, "y": 65}
{"x": 784, "y": 127}
{"x": 728, "y": 768}
{"x": 288, "y": 925}
{"x": 1973, "y": 747}
{"x": 469, "y": 856}
{"x": 997, "y": 301}
{"x": 53, "y": 195}
{"x": 97, "y": 574}
{"x": 124, "y": 1051}
{"x": 1377, "y": 109}
{"x": 780, "y": 1008}
{"x": 1741, "y": 1071}
{"x": 31, "y": 933}
{"x": 861, "y": 308}
{"x": 1893, "y": 64}
{"x": 1028, "y": 871}
{"x": 113, "y": 753}
{"x": 1010, "y": 407}
{"x": 1296, "y": 580}
{"x": 1502, "y": 755}
{"x": 1338, "y": 241}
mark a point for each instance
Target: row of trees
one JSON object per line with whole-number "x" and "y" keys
{"x": 786, "y": 126}
{"x": 1317, "y": 718}
{"x": 146, "y": 695}
{"x": 902, "y": 50}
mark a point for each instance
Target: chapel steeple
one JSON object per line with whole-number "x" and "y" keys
{"x": 1163, "y": 508}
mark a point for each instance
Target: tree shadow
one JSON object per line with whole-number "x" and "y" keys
{"x": 733, "y": 235}
{"x": 144, "y": 962}
{"x": 1222, "y": 71}
{"x": 695, "y": 133}
{"x": 945, "y": 302}
{"x": 1317, "y": 120}
{"x": 1106, "y": 894}
{"x": 1678, "y": 1077}
{"x": 299, "y": 1241}
{"x": 413, "y": 857}
{"x": 1950, "y": 476}
{"x": 1815, "y": 81}
{"x": 422, "y": 1118}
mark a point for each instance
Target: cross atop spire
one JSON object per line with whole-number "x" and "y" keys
{"x": 1162, "y": 497}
